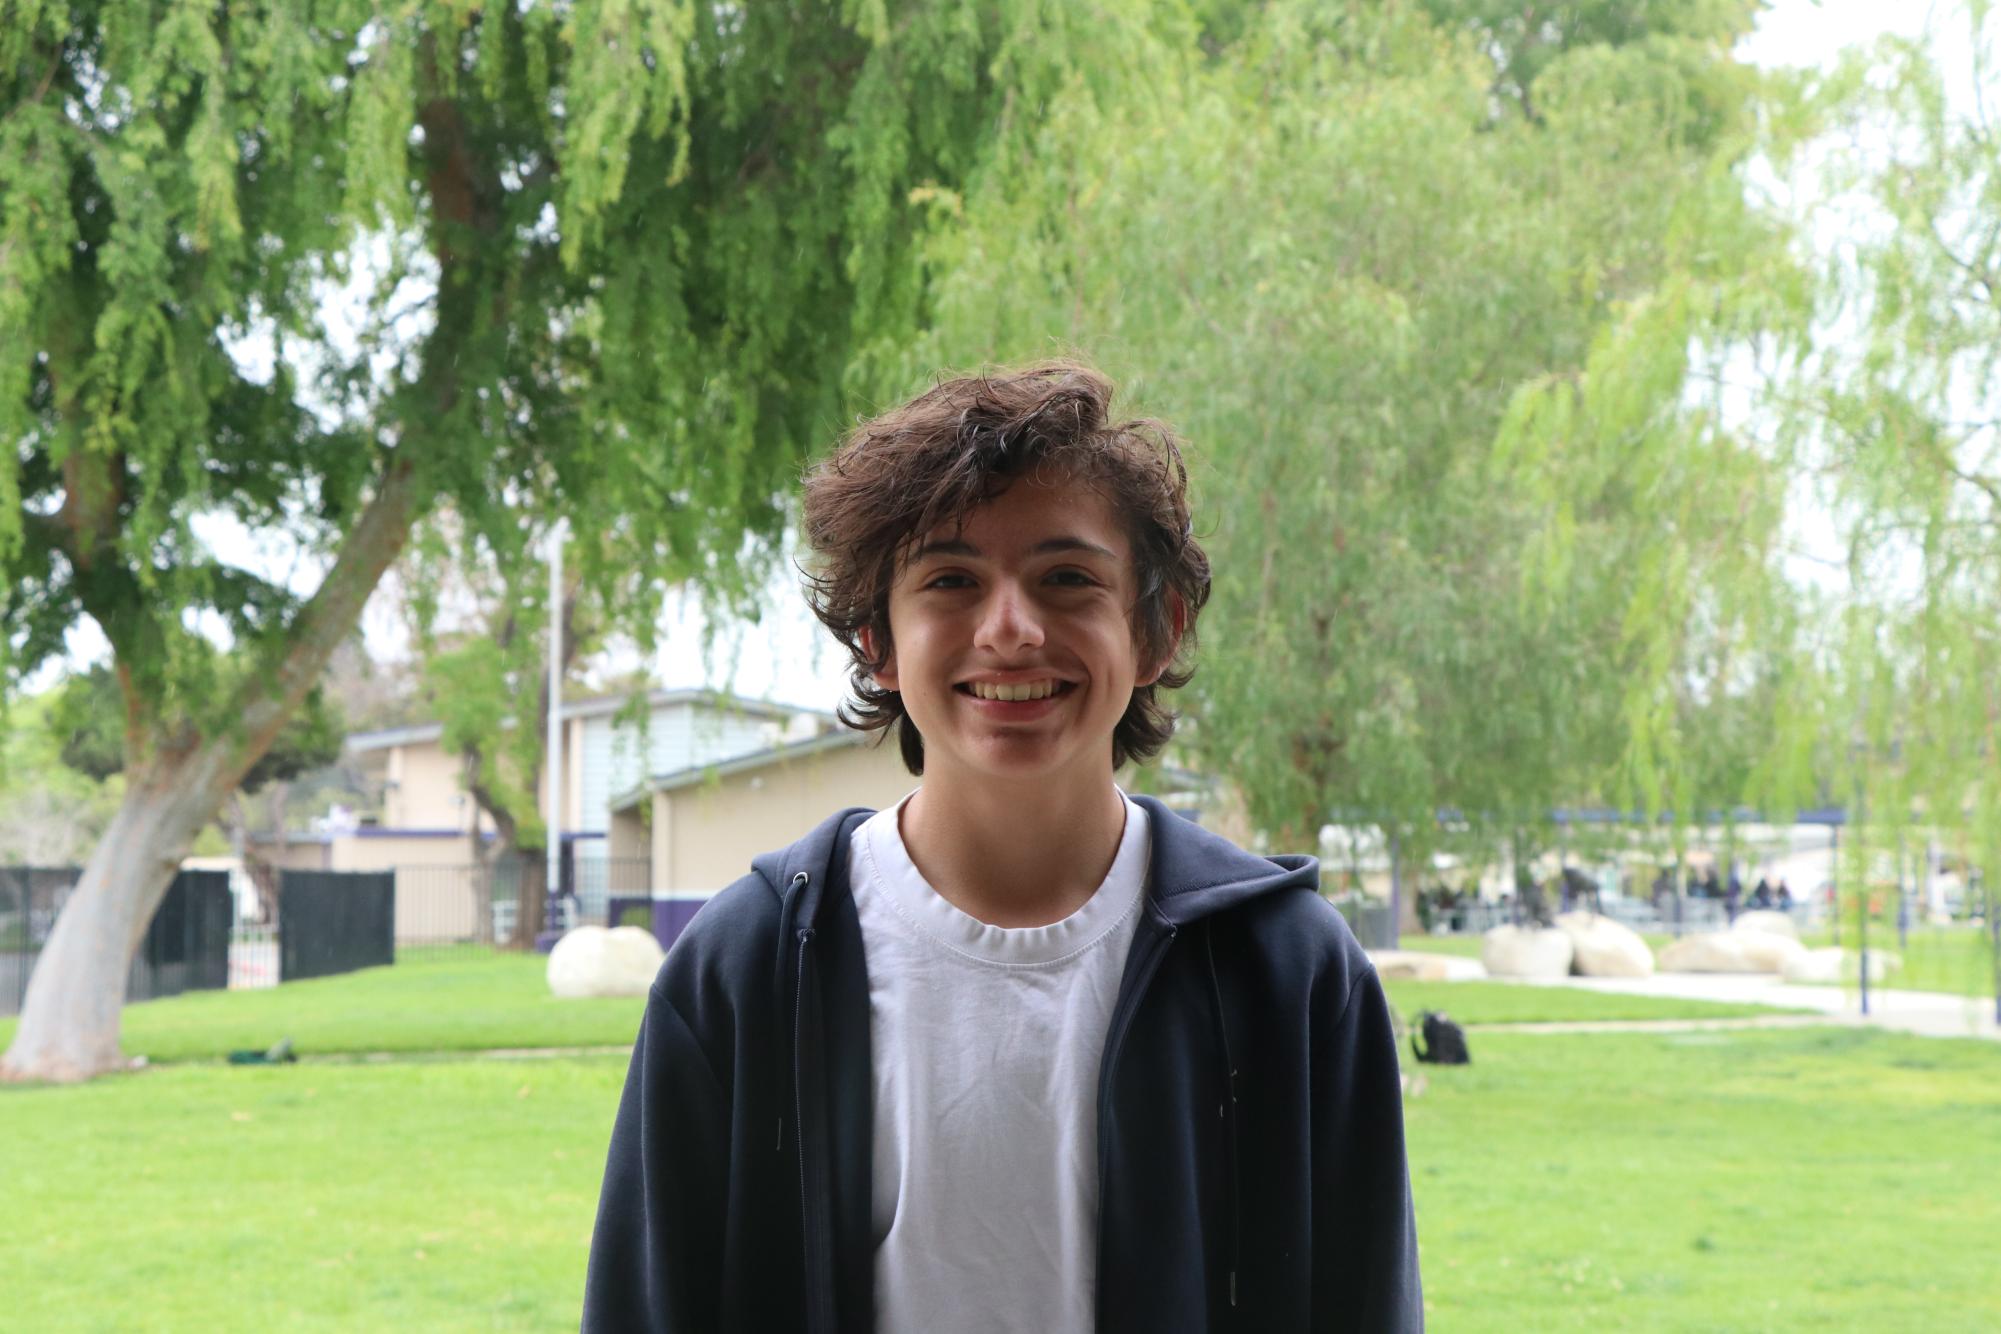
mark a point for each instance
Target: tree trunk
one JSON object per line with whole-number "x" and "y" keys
{"x": 69, "y": 1018}
{"x": 533, "y": 903}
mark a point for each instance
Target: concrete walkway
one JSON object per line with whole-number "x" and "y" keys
{"x": 1929, "y": 1014}
{"x": 1659, "y": 1025}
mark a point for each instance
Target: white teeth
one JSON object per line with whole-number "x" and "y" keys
{"x": 1026, "y": 690}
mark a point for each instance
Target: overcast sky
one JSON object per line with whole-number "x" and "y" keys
{"x": 787, "y": 657}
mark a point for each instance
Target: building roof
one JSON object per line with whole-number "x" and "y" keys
{"x": 385, "y": 737}
{"x": 838, "y": 739}
{"x": 593, "y": 706}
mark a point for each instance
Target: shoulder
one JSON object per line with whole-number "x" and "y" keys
{"x": 735, "y": 932}
{"x": 1304, "y": 943}
{"x": 732, "y": 943}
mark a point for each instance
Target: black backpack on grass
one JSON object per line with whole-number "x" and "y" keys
{"x": 1444, "y": 1041}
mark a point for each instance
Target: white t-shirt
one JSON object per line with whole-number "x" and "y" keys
{"x": 986, "y": 1043}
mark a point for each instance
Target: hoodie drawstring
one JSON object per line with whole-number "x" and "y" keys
{"x": 781, "y": 1058}
{"x": 1228, "y": 1110}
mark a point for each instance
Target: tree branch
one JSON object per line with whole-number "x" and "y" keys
{"x": 1986, "y": 281}
{"x": 266, "y": 699}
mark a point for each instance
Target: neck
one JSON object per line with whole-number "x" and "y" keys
{"x": 1014, "y": 855}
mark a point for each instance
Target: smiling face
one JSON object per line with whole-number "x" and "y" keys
{"x": 1012, "y": 641}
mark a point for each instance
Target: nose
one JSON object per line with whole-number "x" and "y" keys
{"x": 1008, "y": 622}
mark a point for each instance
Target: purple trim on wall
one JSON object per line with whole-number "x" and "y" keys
{"x": 390, "y": 831}
{"x": 669, "y": 917}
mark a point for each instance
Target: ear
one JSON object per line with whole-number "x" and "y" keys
{"x": 885, "y": 675}
{"x": 1178, "y": 614}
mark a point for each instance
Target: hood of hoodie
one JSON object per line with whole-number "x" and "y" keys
{"x": 1194, "y": 873}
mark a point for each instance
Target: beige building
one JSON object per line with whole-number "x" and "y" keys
{"x": 700, "y": 826}
{"x": 661, "y": 808}
{"x": 428, "y": 828}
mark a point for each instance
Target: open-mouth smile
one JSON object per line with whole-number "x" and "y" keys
{"x": 1007, "y": 692}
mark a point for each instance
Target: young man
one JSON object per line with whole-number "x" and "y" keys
{"x": 1020, "y": 1053}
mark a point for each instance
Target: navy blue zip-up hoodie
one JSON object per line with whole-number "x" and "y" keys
{"x": 1250, "y": 1123}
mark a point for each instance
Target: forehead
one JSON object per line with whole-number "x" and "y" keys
{"x": 1031, "y": 512}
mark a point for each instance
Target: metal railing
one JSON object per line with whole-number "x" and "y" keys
{"x": 186, "y": 946}
{"x": 443, "y": 910}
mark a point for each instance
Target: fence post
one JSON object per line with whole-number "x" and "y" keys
{"x": 1994, "y": 950}
{"x": 1396, "y": 891}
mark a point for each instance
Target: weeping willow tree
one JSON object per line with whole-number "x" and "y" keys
{"x": 614, "y": 263}
{"x": 1426, "y": 302}
{"x": 1899, "y": 416}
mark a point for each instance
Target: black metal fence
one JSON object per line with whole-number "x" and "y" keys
{"x": 335, "y": 922}
{"x": 186, "y": 946}
{"x": 441, "y": 910}
{"x": 327, "y": 921}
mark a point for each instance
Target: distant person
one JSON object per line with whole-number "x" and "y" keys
{"x": 1761, "y": 897}
{"x": 1731, "y": 898}
{"x": 1019, "y": 1052}
{"x": 1663, "y": 895}
{"x": 1784, "y": 897}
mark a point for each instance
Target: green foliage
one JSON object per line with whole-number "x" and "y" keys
{"x": 1524, "y": 42}
{"x": 615, "y": 263}
{"x": 50, "y": 814}
{"x": 88, "y": 721}
{"x": 1899, "y": 414}
{"x": 1436, "y": 368}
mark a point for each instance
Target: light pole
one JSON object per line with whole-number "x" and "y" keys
{"x": 553, "y": 748}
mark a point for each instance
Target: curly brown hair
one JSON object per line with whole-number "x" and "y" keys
{"x": 935, "y": 459}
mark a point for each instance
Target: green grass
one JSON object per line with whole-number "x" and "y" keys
{"x": 1521, "y": 1003}
{"x": 1955, "y": 959}
{"x": 1468, "y": 946}
{"x": 433, "y": 1196}
{"x": 1779, "y": 1180}
{"x": 470, "y": 1002}
{"x": 1745, "y": 1180}
{"x": 480, "y": 1001}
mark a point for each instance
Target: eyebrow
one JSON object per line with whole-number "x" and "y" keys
{"x": 958, "y": 546}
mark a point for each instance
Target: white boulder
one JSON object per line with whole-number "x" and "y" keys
{"x": 593, "y": 961}
{"x": 1772, "y": 923}
{"x": 1730, "y": 952}
{"x": 1602, "y": 947}
{"x": 1534, "y": 952}
{"x": 1768, "y": 951}
{"x": 1834, "y": 965}
{"x": 1417, "y": 966}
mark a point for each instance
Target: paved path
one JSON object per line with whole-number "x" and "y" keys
{"x": 1927, "y": 1013}
{"x": 1660, "y": 1025}
{"x": 469, "y": 1054}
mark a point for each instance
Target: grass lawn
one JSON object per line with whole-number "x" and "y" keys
{"x": 1955, "y": 959}
{"x": 481, "y": 1001}
{"x": 422, "y": 1196}
{"x": 1744, "y": 1180}
{"x": 470, "y": 1002}
{"x": 1522, "y": 1003}
{"x": 1776, "y": 1180}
